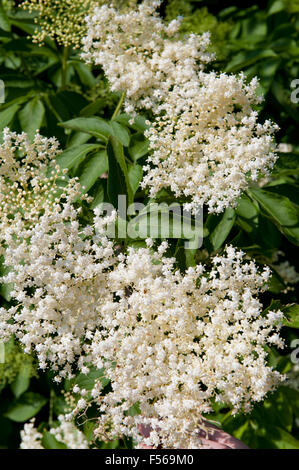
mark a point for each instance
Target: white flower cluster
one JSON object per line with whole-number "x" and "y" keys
{"x": 66, "y": 433}
{"x": 56, "y": 266}
{"x": 30, "y": 437}
{"x": 206, "y": 140}
{"x": 170, "y": 342}
{"x": 287, "y": 272}
{"x": 60, "y": 285}
{"x": 139, "y": 54}
{"x": 174, "y": 342}
{"x": 31, "y": 182}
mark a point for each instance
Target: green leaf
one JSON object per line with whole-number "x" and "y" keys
{"x": 244, "y": 59}
{"x": 87, "y": 381}
{"x": 7, "y": 115}
{"x": 134, "y": 410}
{"x": 27, "y": 406}
{"x": 138, "y": 123}
{"x": 223, "y": 228}
{"x": 282, "y": 439}
{"x": 110, "y": 444}
{"x": 31, "y": 116}
{"x": 276, "y": 7}
{"x": 98, "y": 194}
{"x": 139, "y": 146}
{"x": 118, "y": 177}
{"x": 163, "y": 221}
{"x": 281, "y": 210}
{"x": 247, "y": 213}
{"x": 287, "y": 161}
{"x": 78, "y": 138}
{"x": 22, "y": 381}
{"x": 85, "y": 75}
{"x": 91, "y": 125}
{"x": 25, "y": 26}
{"x": 135, "y": 176}
{"x": 265, "y": 70}
{"x": 267, "y": 233}
{"x": 292, "y": 315}
{"x": 275, "y": 411}
{"x": 88, "y": 430}
{"x": 4, "y": 20}
{"x": 275, "y": 284}
{"x": 291, "y": 191}
{"x": 49, "y": 441}
{"x": 92, "y": 108}
{"x": 92, "y": 168}
{"x": 121, "y": 133}
{"x": 75, "y": 155}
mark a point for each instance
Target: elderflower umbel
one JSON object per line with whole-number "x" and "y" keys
{"x": 174, "y": 342}
{"x": 140, "y": 54}
{"x": 205, "y": 137}
{"x": 31, "y": 182}
{"x": 57, "y": 268}
{"x": 60, "y": 285}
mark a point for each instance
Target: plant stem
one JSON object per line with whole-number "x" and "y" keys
{"x": 51, "y": 405}
{"x": 119, "y": 105}
{"x": 64, "y": 67}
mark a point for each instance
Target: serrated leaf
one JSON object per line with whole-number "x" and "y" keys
{"x": 90, "y": 125}
{"x": 121, "y": 133}
{"x": 118, "y": 177}
{"x": 135, "y": 176}
{"x": 78, "y": 138}
{"x": 92, "y": 168}
{"x": 164, "y": 221}
{"x": 75, "y": 155}
{"x": 281, "y": 210}
{"x": 223, "y": 228}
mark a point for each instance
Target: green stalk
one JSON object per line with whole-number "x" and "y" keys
{"x": 119, "y": 105}
{"x": 64, "y": 67}
{"x": 51, "y": 406}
